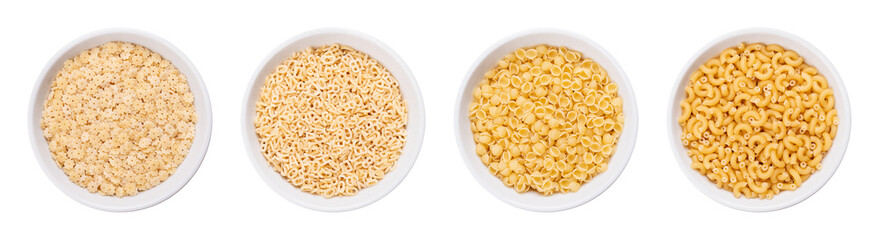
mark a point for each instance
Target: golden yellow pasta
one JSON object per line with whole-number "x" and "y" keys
{"x": 331, "y": 120}
{"x": 757, "y": 120}
{"x": 546, "y": 118}
{"x": 119, "y": 119}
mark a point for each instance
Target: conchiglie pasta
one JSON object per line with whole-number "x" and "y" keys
{"x": 757, "y": 120}
{"x": 555, "y": 119}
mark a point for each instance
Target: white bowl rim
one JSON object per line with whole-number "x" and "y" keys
{"x": 414, "y": 138}
{"x": 840, "y": 143}
{"x": 622, "y": 154}
{"x": 196, "y": 152}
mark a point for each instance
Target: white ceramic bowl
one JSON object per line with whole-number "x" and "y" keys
{"x": 408, "y": 87}
{"x": 532, "y": 200}
{"x": 186, "y": 169}
{"x": 813, "y": 57}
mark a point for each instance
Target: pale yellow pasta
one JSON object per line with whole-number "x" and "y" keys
{"x": 119, "y": 119}
{"x": 546, "y": 118}
{"x": 757, "y": 120}
{"x": 331, "y": 120}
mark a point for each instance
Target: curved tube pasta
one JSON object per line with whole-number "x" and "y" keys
{"x": 757, "y": 120}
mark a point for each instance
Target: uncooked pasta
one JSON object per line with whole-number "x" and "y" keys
{"x": 546, "y": 118}
{"x": 119, "y": 119}
{"x": 331, "y": 120}
{"x": 757, "y": 120}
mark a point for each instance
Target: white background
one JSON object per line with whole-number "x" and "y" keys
{"x": 439, "y": 40}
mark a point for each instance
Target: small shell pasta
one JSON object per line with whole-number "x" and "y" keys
{"x": 550, "y": 124}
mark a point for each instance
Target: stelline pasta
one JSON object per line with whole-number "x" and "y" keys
{"x": 546, "y": 118}
{"x": 757, "y": 120}
{"x": 331, "y": 120}
{"x": 119, "y": 119}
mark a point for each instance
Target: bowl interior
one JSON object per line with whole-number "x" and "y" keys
{"x": 532, "y": 200}
{"x": 814, "y": 58}
{"x": 146, "y": 198}
{"x": 408, "y": 87}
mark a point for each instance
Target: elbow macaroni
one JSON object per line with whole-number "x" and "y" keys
{"x": 757, "y": 120}
{"x": 546, "y": 118}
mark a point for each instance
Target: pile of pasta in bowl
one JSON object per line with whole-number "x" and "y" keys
{"x": 546, "y": 119}
{"x": 757, "y": 120}
{"x": 119, "y": 119}
{"x": 331, "y": 120}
